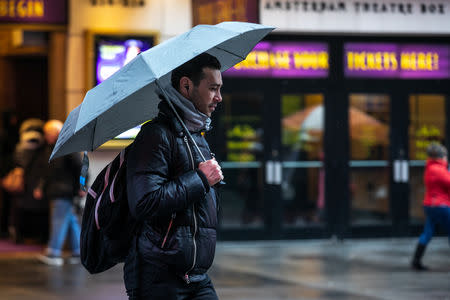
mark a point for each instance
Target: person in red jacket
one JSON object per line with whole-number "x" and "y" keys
{"x": 437, "y": 199}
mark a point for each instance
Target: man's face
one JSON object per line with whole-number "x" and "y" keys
{"x": 207, "y": 95}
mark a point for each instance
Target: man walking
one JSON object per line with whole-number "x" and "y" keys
{"x": 436, "y": 202}
{"x": 170, "y": 191}
{"x": 59, "y": 184}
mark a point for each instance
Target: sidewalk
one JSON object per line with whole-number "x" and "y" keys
{"x": 326, "y": 269}
{"x": 304, "y": 269}
{"x": 9, "y": 249}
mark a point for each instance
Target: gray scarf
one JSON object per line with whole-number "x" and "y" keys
{"x": 194, "y": 119}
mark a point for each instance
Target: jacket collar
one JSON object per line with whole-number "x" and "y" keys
{"x": 194, "y": 119}
{"x": 166, "y": 113}
{"x": 439, "y": 162}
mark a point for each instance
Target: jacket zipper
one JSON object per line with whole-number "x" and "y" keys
{"x": 186, "y": 276}
{"x": 168, "y": 230}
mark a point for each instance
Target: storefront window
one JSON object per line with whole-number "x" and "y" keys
{"x": 369, "y": 153}
{"x": 427, "y": 124}
{"x": 240, "y": 151}
{"x": 302, "y": 155}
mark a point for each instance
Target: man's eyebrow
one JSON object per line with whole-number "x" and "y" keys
{"x": 215, "y": 84}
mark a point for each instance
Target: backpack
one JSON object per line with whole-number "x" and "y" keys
{"x": 107, "y": 227}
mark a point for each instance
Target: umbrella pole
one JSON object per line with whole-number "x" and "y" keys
{"x": 186, "y": 131}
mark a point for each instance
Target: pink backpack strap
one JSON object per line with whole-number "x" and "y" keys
{"x": 92, "y": 193}
{"x": 108, "y": 170}
{"x": 111, "y": 190}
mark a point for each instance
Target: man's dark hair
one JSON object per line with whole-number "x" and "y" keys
{"x": 193, "y": 69}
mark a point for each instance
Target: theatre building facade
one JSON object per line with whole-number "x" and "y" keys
{"x": 324, "y": 126}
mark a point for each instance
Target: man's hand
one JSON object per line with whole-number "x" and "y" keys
{"x": 212, "y": 171}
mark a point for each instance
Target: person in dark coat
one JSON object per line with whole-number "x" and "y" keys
{"x": 170, "y": 191}
{"x": 436, "y": 202}
{"x": 29, "y": 216}
{"x": 59, "y": 184}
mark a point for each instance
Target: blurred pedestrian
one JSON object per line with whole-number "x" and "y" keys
{"x": 60, "y": 185}
{"x": 437, "y": 200}
{"x": 29, "y": 216}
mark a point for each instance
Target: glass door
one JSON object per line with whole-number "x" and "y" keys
{"x": 427, "y": 124}
{"x": 269, "y": 141}
{"x": 302, "y": 187}
{"x": 239, "y": 145}
{"x": 369, "y": 184}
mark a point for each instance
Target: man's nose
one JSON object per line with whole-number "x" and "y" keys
{"x": 218, "y": 97}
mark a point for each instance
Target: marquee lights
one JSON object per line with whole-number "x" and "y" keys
{"x": 426, "y": 61}
{"x": 361, "y": 60}
{"x": 378, "y": 60}
{"x": 284, "y": 59}
{"x": 422, "y": 61}
{"x": 371, "y": 60}
{"x": 33, "y": 11}
{"x": 22, "y": 9}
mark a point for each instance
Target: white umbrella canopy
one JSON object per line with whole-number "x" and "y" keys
{"x": 130, "y": 96}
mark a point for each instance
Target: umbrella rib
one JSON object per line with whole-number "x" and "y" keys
{"x": 93, "y": 134}
{"x": 229, "y": 52}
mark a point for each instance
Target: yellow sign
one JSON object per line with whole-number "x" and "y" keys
{"x": 22, "y": 8}
{"x": 372, "y": 61}
{"x": 420, "y": 61}
{"x": 387, "y": 61}
{"x": 285, "y": 60}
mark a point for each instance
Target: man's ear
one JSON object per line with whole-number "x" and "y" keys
{"x": 186, "y": 85}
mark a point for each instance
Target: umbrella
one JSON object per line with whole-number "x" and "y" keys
{"x": 130, "y": 96}
{"x": 311, "y": 121}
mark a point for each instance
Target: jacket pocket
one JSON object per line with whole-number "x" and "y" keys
{"x": 206, "y": 248}
{"x": 154, "y": 237}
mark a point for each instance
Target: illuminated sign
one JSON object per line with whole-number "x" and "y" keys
{"x": 378, "y": 60}
{"x": 352, "y": 16}
{"x": 112, "y": 53}
{"x": 124, "y": 3}
{"x": 284, "y": 59}
{"x": 33, "y": 11}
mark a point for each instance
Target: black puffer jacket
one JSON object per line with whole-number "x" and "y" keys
{"x": 61, "y": 176}
{"x": 172, "y": 197}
